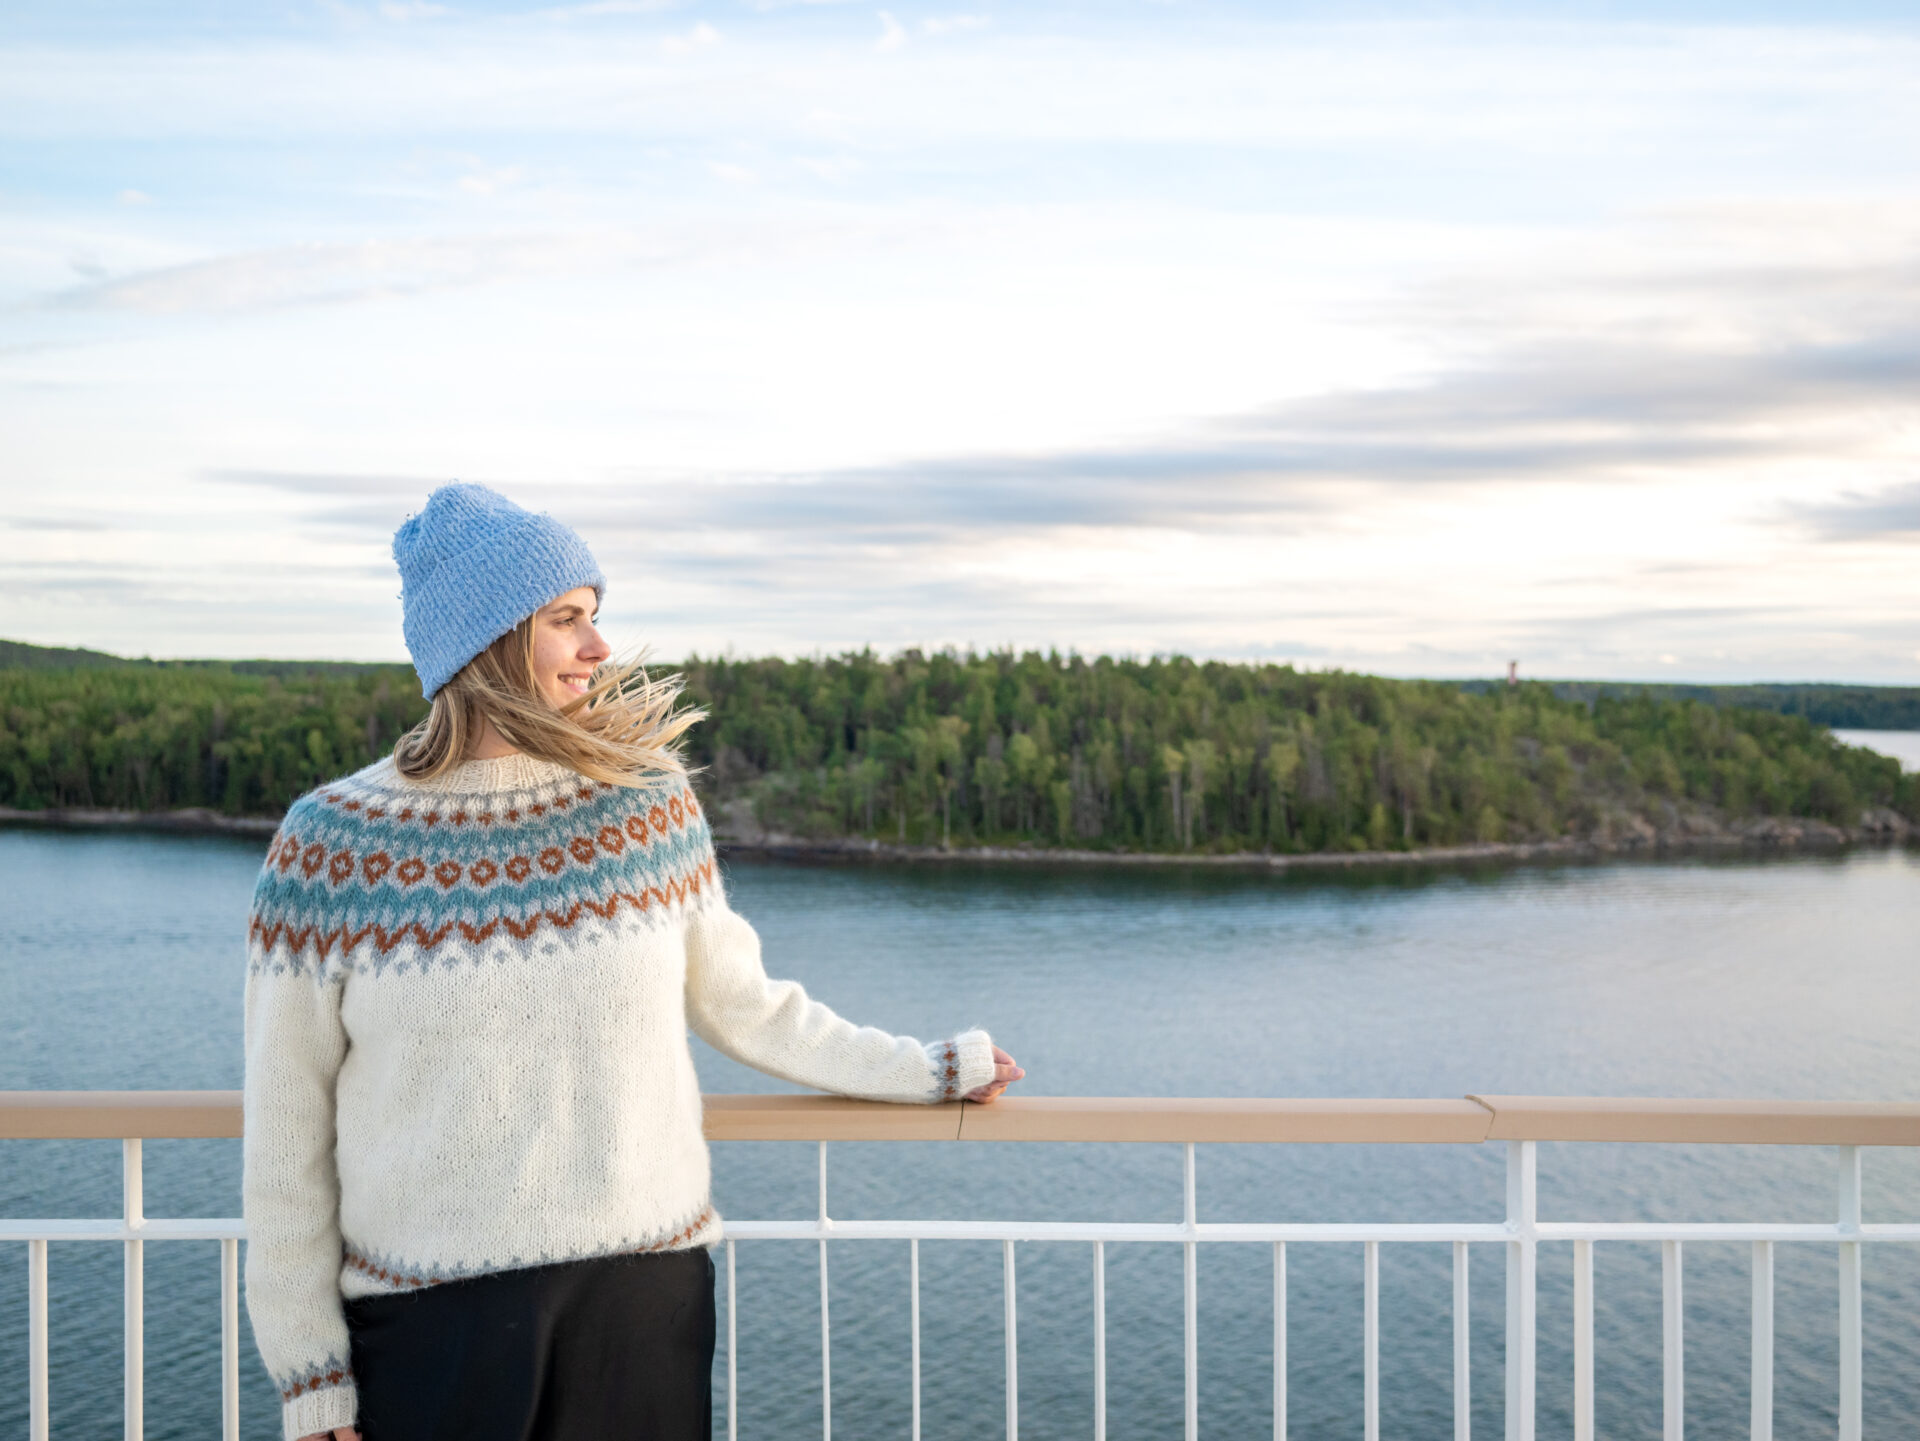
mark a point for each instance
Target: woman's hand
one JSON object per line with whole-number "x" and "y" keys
{"x": 1005, "y": 1073}
{"x": 338, "y": 1433}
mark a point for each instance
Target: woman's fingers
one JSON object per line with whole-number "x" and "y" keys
{"x": 1005, "y": 1072}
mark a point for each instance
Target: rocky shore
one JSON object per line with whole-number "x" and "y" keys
{"x": 1681, "y": 833}
{"x": 191, "y": 818}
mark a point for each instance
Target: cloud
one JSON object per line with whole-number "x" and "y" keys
{"x": 893, "y": 35}
{"x": 327, "y": 274}
{"x": 698, "y": 38}
{"x": 56, "y": 523}
{"x": 611, "y": 7}
{"x": 488, "y": 182}
{"x": 1881, "y": 515}
{"x": 1642, "y": 407}
{"x": 953, "y": 24}
{"x": 402, "y": 11}
{"x": 134, "y": 197}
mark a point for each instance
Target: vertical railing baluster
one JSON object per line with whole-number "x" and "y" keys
{"x": 1522, "y": 1294}
{"x": 1192, "y": 1307}
{"x": 230, "y": 1338}
{"x": 131, "y": 1210}
{"x": 37, "y": 1405}
{"x": 1099, "y": 1341}
{"x": 1279, "y": 1341}
{"x": 1583, "y": 1341}
{"x": 1462, "y": 1375}
{"x": 1761, "y": 1386}
{"x": 826, "y": 1334}
{"x": 1013, "y": 1344}
{"x": 913, "y": 1324}
{"x": 1673, "y": 1388}
{"x": 1850, "y": 1314}
{"x": 826, "y": 1354}
{"x": 1370, "y": 1332}
{"x": 733, "y": 1351}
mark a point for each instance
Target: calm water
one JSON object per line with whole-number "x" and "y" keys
{"x": 121, "y": 962}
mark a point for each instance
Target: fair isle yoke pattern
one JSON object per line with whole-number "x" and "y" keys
{"x": 364, "y": 876}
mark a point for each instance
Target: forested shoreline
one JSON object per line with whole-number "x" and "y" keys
{"x": 1064, "y": 752}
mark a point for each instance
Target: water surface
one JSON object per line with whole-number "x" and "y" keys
{"x": 121, "y": 963}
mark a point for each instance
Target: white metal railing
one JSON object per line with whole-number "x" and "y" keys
{"x": 1522, "y": 1123}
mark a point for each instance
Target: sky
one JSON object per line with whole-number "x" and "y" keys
{"x": 1410, "y": 338}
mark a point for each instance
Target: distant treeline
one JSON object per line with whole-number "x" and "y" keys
{"x": 235, "y": 739}
{"x": 1164, "y": 755}
{"x": 1845, "y": 707}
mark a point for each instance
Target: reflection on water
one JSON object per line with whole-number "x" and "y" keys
{"x": 120, "y": 961}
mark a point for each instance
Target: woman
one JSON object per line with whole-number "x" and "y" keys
{"x": 476, "y": 1187}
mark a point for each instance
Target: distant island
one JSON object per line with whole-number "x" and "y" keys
{"x": 1032, "y": 755}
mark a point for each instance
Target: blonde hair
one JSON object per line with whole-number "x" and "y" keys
{"x": 624, "y": 730}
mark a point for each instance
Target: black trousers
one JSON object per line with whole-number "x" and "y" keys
{"x": 613, "y": 1347}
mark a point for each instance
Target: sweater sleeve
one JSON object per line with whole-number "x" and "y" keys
{"x": 774, "y": 1026}
{"x": 290, "y": 1189}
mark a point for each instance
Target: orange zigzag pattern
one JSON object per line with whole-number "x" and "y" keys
{"x": 298, "y": 938}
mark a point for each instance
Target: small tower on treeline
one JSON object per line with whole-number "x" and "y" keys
{"x": 1513, "y": 672}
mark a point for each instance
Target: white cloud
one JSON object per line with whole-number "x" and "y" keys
{"x": 401, "y": 11}
{"x": 835, "y": 170}
{"x": 954, "y": 24}
{"x": 893, "y": 35}
{"x": 612, "y": 7}
{"x": 134, "y": 197}
{"x": 701, "y": 36}
{"x": 490, "y": 182}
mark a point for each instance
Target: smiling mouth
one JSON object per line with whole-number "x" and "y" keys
{"x": 576, "y": 683}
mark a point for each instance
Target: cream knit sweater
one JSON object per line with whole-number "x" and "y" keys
{"x": 467, "y": 1006}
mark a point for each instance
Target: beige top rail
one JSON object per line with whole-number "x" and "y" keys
{"x": 113, "y": 1115}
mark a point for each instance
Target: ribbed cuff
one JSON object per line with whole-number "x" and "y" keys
{"x": 960, "y": 1065}
{"x": 320, "y": 1410}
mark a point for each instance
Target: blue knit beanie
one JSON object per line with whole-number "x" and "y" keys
{"x": 473, "y": 565}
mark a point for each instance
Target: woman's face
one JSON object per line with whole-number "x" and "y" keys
{"x": 566, "y": 647}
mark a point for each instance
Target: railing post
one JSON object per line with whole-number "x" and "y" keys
{"x": 826, "y": 1331}
{"x": 733, "y": 1351}
{"x": 1522, "y": 1257}
{"x": 1583, "y": 1341}
{"x": 135, "y": 1357}
{"x": 1673, "y": 1315}
{"x": 1370, "y": 1340}
{"x": 230, "y": 1339}
{"x": 1013, "y": 1345}
{"x": 1761, "y": 1386}
{"x": 1192, "y": 1307}
{"x": 37, "y": 1423}
{"x": 913, "y": 1323}
{"x": 1099, "y": 1341}
{"x": 1462, "y": 1375}
{"x": 1279, "y": 1341}
{"x": 1850, "y": 1314}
